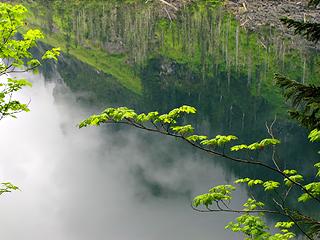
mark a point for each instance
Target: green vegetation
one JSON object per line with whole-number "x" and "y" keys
{"x": 85, "y": 50}
{"x": 16, "y": 58}
{"x": 287, "y": 183}
{"x": 230, "y": 46}
{"x": 250, "y": 223}
{"x": 222, "y": 42}
{"x": 101, "y": 35}
{"x": 100, "y": 60}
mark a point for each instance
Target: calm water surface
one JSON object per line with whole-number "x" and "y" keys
{"x": 106, "y": 183}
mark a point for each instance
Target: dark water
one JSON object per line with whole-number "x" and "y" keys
{"x": 120, "y": 183}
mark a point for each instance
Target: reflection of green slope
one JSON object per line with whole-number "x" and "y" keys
{"x": 206, "y": 39}
{"x": 114, "y": 65}
{"x": 203, "y": 59}
{"x": 202, "y": 38}
{"x": 93, "y": 88}
{"x": 110, "y": 64}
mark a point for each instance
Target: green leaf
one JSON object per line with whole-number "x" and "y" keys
{"x": 33, "y": 63}
{"x": 249, "y": 181}
{"x": 286, "y": 225}
{"x": 182, "y": 129}
{"x": 195, "y": 138}
{"x": 33, "y": 35}
{"x": 270, "y": 185}
{"x": 239, "y": 147}
{"x": 242, "y": 180}
{"x": 313, "y": 188}
{"x": 219, "y": 140}
{"x": 255, "y": 146}
{"x": 52, "y": 54}
{"x": 218, "y": 193}
{"x": 295, "y": 178}
{"x": 252, "y": 204}
{"x": 269, "y": 141}
{"x": 314, "y": 135}
{"x": 290, "y": 172}
{"x": 317, "y": 165}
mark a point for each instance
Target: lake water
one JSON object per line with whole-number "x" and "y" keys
{"x": 107, "y": 183}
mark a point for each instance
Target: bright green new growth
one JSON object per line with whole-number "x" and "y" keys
{"x": 257, "y": 145}
{"x": 219, "y": 197}
{"x": 314, "y": 135}
{"x": 317, "y": 166}
{"x": 216, "y": 194}
{"x": 7, "y": 187}
{"x": 125, "y": 114}
{"x": 314, "y": 190}
{"x": 183, "y": 129}
{"x": 254, "y": 227}
{"x": 15, "y": 57}
{"x": 219, "y": 140}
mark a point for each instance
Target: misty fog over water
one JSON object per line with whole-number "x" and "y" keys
{"x": 91, "y": 183}
{"x": 117, "y": 182}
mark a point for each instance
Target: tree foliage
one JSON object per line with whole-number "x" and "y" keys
{"x": 218, "y": 198}
{"x": 305, "y": 101}
{"x": 15, "y": 45}
{"x": 304, "y": 98}
{"x": 15, "y": 57}
{"x": 309, "y": 30}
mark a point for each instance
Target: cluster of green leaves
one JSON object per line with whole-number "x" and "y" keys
{"x": 16, "y": 50}
{"x": 255, "y": 228}
{"x": 169, "y": 121}
{"x": 219, "y": 140}
{"x": 215, "y": 194}
{"x": 253, "y": 225}
{"x": 292, "y": 176}
{"x": 7, "y": 187}
{"x": 257, "y": 145}
{"x": 219, "y": 197}
{"x": 15, "y": 56}
{"x": 250, "y": 222}
{"x": 125, "y": 114}
{"x": 9, "y": 107}
{"x": 314, "y": 135}
{"x": 268, "y": 185}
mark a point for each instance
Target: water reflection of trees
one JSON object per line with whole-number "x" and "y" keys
{"x": 203, "y": 58}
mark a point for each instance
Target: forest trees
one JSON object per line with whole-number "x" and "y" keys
{"x": 15, "y": 57}
{"x": 286, "y": 183}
